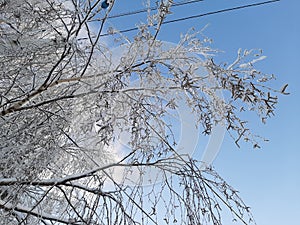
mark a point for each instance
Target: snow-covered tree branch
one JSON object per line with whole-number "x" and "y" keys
{"x": 66, "y": 97}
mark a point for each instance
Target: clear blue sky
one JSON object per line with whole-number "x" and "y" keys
{"x": 268, "y": 178}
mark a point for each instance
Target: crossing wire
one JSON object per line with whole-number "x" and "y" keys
{"x": 198, "y": 16}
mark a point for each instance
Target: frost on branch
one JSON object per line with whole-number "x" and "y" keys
{"x": 66, "y": 98}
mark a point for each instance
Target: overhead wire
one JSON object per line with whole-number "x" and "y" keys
{"x": 196, "y": 16}
{"x": 152, "y": 8}
{"x": 220, "y": 11}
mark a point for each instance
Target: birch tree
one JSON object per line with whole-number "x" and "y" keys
{"x": 66, "y": 97}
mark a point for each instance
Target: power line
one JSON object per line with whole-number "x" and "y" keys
{"x": 198, "y": 16}
{"x": 152, "y": 9}
{"x": 220, "y": 11}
